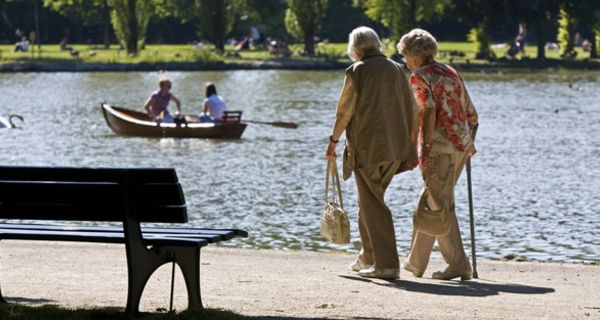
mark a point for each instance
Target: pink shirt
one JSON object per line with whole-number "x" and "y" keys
{"x": 160, "y": 102}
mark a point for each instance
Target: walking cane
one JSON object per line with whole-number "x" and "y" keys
{"x": 471, "y": 216}
{"x": 471, "y": 219}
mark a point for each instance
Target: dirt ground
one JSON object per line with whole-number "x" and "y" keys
{"x": 299, "y": 285}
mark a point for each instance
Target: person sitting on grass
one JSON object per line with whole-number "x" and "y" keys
{"x": 156, "y": 105}
{"x": 213, "y": 105}
{"x": 22, "y": 45}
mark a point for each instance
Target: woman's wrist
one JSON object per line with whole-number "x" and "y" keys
{"x": 331, "y": 140}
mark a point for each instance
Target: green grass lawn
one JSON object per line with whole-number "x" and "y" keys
{"x": 50, "y": 312}
{"x": 187, "y": 53}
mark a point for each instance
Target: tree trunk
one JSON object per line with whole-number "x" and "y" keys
{"x": 219, "y": 25}
{"x": 309, "y": 44}
{"x": 36, "y": 16}
{"x": 541, "y": 39}
{"x": 594, "y": 49}
{"x": 132, "y": 24}
{"x": 106, "y": 24}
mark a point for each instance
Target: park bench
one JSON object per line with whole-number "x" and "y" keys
{"x": 129, "y": 196}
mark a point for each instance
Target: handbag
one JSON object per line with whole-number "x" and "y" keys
{"x": 335, "y": 226}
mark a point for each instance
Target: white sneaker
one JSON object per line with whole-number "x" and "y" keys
{"x": 392, "y": 273}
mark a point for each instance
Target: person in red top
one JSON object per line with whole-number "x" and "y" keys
{"x": 446, "y": 120}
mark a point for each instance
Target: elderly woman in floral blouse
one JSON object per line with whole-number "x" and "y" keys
{"x": 447, "y": 119}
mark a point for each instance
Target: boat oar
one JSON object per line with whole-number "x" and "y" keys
{"x": 281, "y": 124}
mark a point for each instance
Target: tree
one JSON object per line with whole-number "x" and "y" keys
{"x": 566, "y": 33}
{"x": 583, "y": 16}
{"x": 400, "y": 16}
{"x": 130, "y": 20}
{"x": 481, "y": 16}
{"x": 91, "y": 13}
{"x": 212, "y": 18}
{"x": 541, "y": 16}
{"x": 303, "y": 19}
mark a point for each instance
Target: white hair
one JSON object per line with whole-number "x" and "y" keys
{"x": 360, "y": 40}
{"x": 418, "y": 43}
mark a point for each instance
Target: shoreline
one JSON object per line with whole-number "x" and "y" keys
{"x": 299, "y": 285}
{"x": 519, "y": 66}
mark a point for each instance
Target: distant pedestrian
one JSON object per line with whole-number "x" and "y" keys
{"x": 378, "y": 113}
{"x": 447, "y": 119}
{"x": 521, "y": 39}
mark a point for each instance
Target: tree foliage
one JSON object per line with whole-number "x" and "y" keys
{"x": 213, "y": 18}
{"x": 91, "y": 13}
{"x": 303, "y": 20}
{"x": 400, "y": 16}
{"x": 130, "y": 20}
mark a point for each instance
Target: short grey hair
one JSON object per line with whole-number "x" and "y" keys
{"x": 418, "y": 43}
{"x": 360, "y": 40}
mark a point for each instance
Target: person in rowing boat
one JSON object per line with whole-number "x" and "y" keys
{"x": 156, "y": 105}
{"x": 213, "y": 105}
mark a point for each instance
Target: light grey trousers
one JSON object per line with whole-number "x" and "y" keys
{"x": 451, "y": 245}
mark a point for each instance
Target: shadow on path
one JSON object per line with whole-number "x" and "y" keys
{"x": 477, "y": 288}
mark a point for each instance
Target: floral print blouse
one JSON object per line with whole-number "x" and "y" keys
{"x": 446, "y": 112}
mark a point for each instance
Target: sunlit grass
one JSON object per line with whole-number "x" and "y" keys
{"x": 187, "y": 53}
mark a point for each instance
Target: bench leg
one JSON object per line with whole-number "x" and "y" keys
{"x": 188, "y": 260}
{"x": 2, "y": 297}
{"x": 143, "y": 263}
{"x": 141, "y": 266}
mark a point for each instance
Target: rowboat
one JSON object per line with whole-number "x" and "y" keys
{"x": 133, "y": 123}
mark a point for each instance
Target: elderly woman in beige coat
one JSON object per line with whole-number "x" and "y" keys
{"x": 378, "y": 113}
{"x": 447, "y": 119}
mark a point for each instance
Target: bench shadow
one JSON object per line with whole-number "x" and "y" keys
{"x": 22, "y": 300}
{"x": 477, "y": 288}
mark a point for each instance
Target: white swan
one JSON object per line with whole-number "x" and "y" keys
{"x": 4, "y": 123}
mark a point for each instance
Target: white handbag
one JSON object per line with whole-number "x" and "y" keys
{"x": 335, "y": 226}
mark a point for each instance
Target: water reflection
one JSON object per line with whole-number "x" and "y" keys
{"x": 535, "y": 177}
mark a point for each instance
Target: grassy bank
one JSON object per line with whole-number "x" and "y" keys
{"x": 460, "y": 53}
{"x": 50, "y": 312}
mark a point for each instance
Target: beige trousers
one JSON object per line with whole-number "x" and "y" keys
{"x": 450, "y": 244}
{"x": 374, "y": 217}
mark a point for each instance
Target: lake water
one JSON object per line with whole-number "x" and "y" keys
{"x": 536, "y": 178}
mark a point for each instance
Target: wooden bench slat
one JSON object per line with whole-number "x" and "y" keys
{"x": 60, "y": 192}
{"x": 210, "y": 237}
{"x": 88, "y": 192}
{"x": 105, "y": 237}
{"x": 105, "y": 212}
{"x": 137, "y": 175}
{"x": 222, "y": 234}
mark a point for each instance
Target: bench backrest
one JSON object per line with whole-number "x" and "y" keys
{"x": 91, "y": 194}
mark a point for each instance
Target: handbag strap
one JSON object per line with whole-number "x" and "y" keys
{"x": 335, "y": 182}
